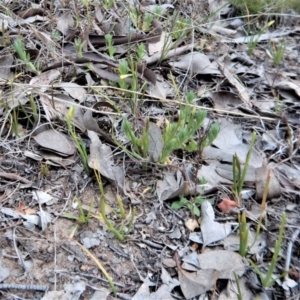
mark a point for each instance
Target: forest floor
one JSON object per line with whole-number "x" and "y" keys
{"x": 125, "y": 129}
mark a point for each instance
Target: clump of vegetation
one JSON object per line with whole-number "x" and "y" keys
{"x": 255, "y": 7}
{"x": 77, "y": 139}
{"x": 19, "y": 47}
{"x": 179, "y": 134}
{"x": 192, "y": 204}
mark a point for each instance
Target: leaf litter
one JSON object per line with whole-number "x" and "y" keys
{"x": 74, "y": 69}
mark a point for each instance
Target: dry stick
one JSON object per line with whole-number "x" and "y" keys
{"x": 13, "y": 176}
{"x": 89, "y": 276}
{"x": 55, "y": 256}
{"x": 21, "y": 260}
{"x": 30, "y": 287}
{"x": 157, "y": 56}
{"x": 289, "y": 252}
{"x": 11, "y": 226}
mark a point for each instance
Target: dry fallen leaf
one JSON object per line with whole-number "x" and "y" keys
{"x": 225, "y": 262}
{"x": 212, "y": 231}
{"x": 24, "y": 210}
{"x": 227, "y": 205}
{"x": 191, "y": 224}
{"x": 195, "y": 283}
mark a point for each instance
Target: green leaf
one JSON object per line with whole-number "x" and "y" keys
{"x": 196, "y": 211}
{"x": 177, "y": 205}
{"x": 199, "y": 200}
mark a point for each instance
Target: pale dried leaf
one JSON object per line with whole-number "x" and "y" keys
{"x": 36, "y": 18}
{"x": 191, "y": 224}
{"x": 65, "y": 23}
{"x": 210, "y": 174}
{"x": 196, "y": 283}
{"x": 226, "y": 101}
{"x": 74, "y": 90}
{"x": 171, "y": 186}
{"x": 44, "y": 219}
{"x": 229, "y": 141}
{"x": 6, "y": 21}
{"x": 6, "y": 62}
{"x": 41, "y": 197}
{"x": 261, "y": 37}
{"x": 159, "y": 46}
{"x": 44, "y": 80}
{"x": 231, "y": 293}
{"x": 143, "y": 293}
{"x": 101, "y": 159}
{"x": 212, "y": 231}
{"x": 197, "y": 63}
{"x": 19, "y": 95}
{"x": 261, "y": 179}
{"x": 156, "y": 142}
{"x": 289, "y": 85}
{"x": 162, "y": 89}
{"x": 225, "y": 262}
{"x": 56, "y": 141}
{"x": 243, "y": 91}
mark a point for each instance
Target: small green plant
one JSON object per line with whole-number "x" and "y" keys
{"x": 255, "y": 7}
{"x": 34, "y": 109}
{"x": 123, "y": 231}
{"x": 140, "y": 144}
{"x": 82, "y": 218}
{"x": 14, "y": 120}
{"x": 79, "y": 44}
{"x": 25, "y": 57}
{"x": 157, "y": 12}
{"x": 44, "y": 170}
{"x": 148, "y": 18}
{"x": 124, "y": 73}
{"x": 277, "y": 51}
{"x": 77, "y": 140}
{"x": 110, "y": 46}
{"x": 56, "y": 35}
{"x": 140, "y": 52}
{"x": 180, "y": 134}
{"x": 181, "y": 27}
{"x": 239, "y": 175}
{"x": 254, "y": 39}
{"x": 191, "y": 204}
{"x": 244, "y": 233}
{"x": 135, "y": 16}
{"x": 108, "y": 3}
{"x": 267, "y": 279}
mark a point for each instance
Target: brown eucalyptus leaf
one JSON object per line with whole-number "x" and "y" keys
{"x": 30, "y": 12}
